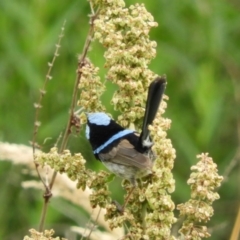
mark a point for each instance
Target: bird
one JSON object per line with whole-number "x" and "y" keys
{"x": 123, "y": 151}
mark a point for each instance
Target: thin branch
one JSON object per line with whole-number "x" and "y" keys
{"x": 75, "y": 90}
{"x": 94, "y": 225}
{"x": 85, "y": 230}
{"x": 47, "y": 194}
{"x": 38, "y": 105}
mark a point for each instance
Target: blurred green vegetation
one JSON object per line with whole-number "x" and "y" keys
{"x": 198, "y": 50}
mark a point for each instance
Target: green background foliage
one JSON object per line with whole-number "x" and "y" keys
{"x": 198, "y": 50}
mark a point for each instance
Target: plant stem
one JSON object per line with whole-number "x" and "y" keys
{"x": 47, "y": 194}
{"x": 38, "y": 105}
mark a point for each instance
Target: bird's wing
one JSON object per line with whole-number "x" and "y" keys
{"x": 125, "y": 154}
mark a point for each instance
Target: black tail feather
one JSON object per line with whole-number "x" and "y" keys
{"x": 155, "y": 93}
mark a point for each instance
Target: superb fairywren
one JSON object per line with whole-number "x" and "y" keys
{"x": 122, "y": 151}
